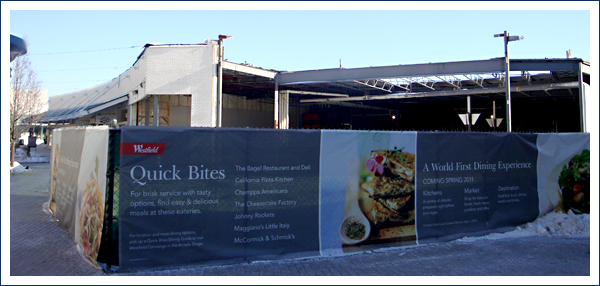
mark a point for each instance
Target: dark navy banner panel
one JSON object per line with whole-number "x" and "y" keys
{"x": 190, "y": 195}
{"x": 196, "y": 195}
{"x": 475, "y": 182}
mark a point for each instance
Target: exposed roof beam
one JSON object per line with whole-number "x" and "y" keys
{"x": 544, "y": 87}
{"x": 347, "y": 85}
{"x": 421, "y": 83}
{"x": 316, "y": 93}
{"x": 396, "y": 84}
{"x": 524, "y": 93}
{"x": 249, "y": 70}
{"x": 545, "y": 65}
{"x": 451, "y": 83}
{"x": 432, "y": 69}
{"x": 477, "y": 79}
{"x": 378, "y": 84}
{"x": 416, "y": 70}
{"x": 355, "y": 105}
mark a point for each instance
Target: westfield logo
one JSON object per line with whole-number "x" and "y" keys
{"x": 142, "y": 148}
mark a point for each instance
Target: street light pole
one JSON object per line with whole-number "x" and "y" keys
{"x": 494, "y": 114}
{"x": 469, "y": 113}
{"x": 507, "y": 39}
{"x": 507, "y": 79}
{"x": 220, "y": 81}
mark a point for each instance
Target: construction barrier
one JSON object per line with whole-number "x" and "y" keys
{"x": 182, "y": 196}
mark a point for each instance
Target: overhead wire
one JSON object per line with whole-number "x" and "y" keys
{"x": 81, "y": 69}
{"x": 78, "y": 69}
{"x": 87, "y": 51}
{"x": 89, "y": 80}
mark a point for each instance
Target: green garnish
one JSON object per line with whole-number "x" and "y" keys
{"x": 355, "y": 230}
{"x": 576, "y": 173}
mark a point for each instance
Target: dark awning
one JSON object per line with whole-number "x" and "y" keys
{"x": 18, "y": 47}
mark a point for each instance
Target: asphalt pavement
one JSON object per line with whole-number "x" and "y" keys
{"x": 40, "y": 247}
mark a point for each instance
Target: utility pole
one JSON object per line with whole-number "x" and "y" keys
{"x": 507, "y": 39}
{"x": 220, "y": 81}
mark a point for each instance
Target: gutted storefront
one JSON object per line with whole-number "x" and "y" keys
{"x": 173, "y": 82}
{"x": 179, "y": 85}
{"x": 182, "y": 196}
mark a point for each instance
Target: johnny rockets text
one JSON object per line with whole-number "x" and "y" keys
{"x": 141, "y": 175}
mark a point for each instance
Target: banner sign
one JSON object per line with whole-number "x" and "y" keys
{"x": 67, "y": 145}
{"x": 78, "y": 185}
{"x": 368, "y": 190}
{"x": 475, "y": 182}
{"x": 192, "y": 195}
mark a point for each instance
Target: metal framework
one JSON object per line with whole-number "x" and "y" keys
{"x": 381, "y": 88}
{"x": 528, "y": 78}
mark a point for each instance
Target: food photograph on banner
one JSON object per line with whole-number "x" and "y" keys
{"x": 574, "y": 184}
{"x": 54, "y": 171}
{"x": 66, "y": 170}
{"x": 378, "y": 193}
{"x": 564, "y": 173}
{"x": 78, "y": 186}
{"x": 91, "y": 194}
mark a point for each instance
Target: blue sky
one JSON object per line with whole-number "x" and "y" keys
{"x": 64, "y": 38}
{"x": 64, "y": 44}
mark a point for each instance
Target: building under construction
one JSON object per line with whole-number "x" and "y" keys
{"x": 190, "y": 85}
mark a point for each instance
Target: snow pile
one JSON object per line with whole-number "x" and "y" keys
{"x": 558, "y": 223}
{"x": 20, "y": 169}
{"x": 551, "y": 224}
{"x": 34, "y": 156}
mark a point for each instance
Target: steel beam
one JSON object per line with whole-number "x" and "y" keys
{"x": 354, "y": 105}
{"x": 544, "y": 87}
{"x": 249, "y": 70}
{"x": 432, "y": 69}
{"x": 451, "y": 83}
{"x": 416, "y": 70}
{"x": 545, "y": 65}
{"x": 316, "y": 93}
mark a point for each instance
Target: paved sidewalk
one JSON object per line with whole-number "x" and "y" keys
{"x": 40, "y": 247}
{"x": 533, "y": 256}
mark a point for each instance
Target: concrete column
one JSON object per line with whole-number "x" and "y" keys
{"x": 132, "y": 114}
{"x": 284, "y": 110}
{"x": 276, "y": 104}
{"x": 156, "y": 110}
{"x": 582, "y": 103}
{"x": 147, "y": 117}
